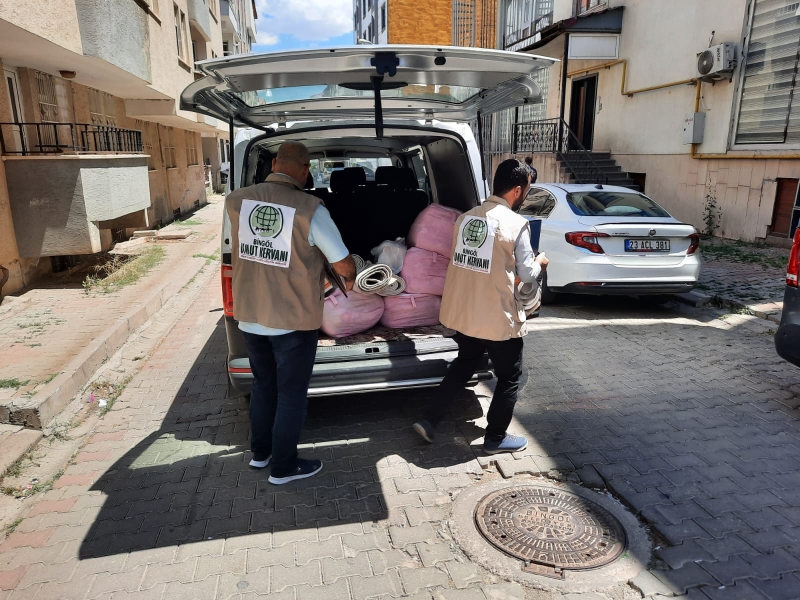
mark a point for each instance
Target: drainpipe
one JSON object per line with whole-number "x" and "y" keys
{"x": 164, "y": 166}
{"x": 563, "y": 93}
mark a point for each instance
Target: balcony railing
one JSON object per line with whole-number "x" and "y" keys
{"x": 29, "y": 139}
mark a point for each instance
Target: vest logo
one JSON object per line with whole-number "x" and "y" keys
{"x": 474, "y": 245}
{"x": 266, "y": 221}
{"x": 474, "y": 233}
{"x": 265, "y": 233}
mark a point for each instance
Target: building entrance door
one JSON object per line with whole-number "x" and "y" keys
{"x": 581, "y": 111}
{"x": 16, "y": 132}
{"x": 785, "y": 201}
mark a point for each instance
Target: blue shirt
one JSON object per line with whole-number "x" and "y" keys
{"x": 323, "y": 234}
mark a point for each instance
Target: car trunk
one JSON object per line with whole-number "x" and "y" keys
{"x": 628, "y": 241}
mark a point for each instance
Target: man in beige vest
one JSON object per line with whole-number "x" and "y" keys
{"x": 280, "y": 238}
{"x": 491, "y": 253}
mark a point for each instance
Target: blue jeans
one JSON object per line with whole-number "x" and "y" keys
{"x": 282, "y": 366}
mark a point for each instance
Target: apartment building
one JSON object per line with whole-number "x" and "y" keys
{"x": 693, "y": 101}
{"x": 91, "y": 138}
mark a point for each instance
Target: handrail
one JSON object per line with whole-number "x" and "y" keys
{"x": 28, "y": 139}
{"x": 543, "y": 136}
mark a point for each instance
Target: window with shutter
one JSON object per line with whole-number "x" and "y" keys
{"x": 769, "y": 110}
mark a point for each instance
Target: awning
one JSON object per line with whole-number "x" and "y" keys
{"x": 603, "y": 21}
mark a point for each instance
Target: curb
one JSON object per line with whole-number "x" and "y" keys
{"x": 39, "y": 410}
{"x": 698, "y": 300}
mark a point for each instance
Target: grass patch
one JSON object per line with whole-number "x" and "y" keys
{"x": 117, "y": 274}
{"x": 36, "y": 324}
{"x": 12, "y": 383}
{"x": 188, "y": 223}
{"x": 50, "y": 377}
{"x": 209, "y": 257}
{"x": 744, "y": 252}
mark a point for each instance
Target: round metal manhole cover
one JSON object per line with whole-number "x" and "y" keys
{"x": 550, "y": 527}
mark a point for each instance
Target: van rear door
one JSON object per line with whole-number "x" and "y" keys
{"x": 413, "y": 82}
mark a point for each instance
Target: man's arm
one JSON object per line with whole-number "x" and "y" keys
{"x": 325, "y": 235}
{"x": 528, "y": 265}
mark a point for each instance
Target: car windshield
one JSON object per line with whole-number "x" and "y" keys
{"x": 602, "y": 203}
{"x": 442, "y": 93}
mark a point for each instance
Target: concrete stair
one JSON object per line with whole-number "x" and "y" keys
{"x": 584, "y": 170}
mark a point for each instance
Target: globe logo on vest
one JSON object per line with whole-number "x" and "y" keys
{"x": 474, "y": 234}
{"x": 266, "y": 221}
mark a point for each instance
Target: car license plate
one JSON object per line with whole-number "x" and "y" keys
{"x": 647, "y": 245}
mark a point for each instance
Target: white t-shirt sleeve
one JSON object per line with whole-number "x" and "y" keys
{"x": 527, "y": 267}
{"x": 324, "y": 234}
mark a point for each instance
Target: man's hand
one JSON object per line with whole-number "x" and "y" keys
{"x": 543, "y": 261}
{"x": 346, "y": 269}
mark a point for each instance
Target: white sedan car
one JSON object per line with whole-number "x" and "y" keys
{"x": 604, "y": 239}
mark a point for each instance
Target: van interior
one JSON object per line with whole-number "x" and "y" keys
{"x": 417, "y": 168}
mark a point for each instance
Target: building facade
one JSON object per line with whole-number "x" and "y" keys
{"x": 628, "y": 85}
{"x": 434, "y": 22}
{"x": 93, "y": 142}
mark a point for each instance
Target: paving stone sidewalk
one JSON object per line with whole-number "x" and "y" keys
{"x": 49, "y": 326}
{"x": 745, "y": 276}
{"x": 690, "y": 422}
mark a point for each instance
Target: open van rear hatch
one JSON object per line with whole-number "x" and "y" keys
{"x": 364, "y": 82}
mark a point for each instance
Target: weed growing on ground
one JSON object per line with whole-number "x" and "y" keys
{"x": 37, "y": 487}
{"x": 209, "y": 257}
{"x": 15, "y": 468}
{"x": 11, "y": 527}
{"x": 13, "y": 383}
{"x": 712, "y": 213}
{"x": 50, "y": 378}
{"x": 109, "y": 391}
{"x": 188, "y": 223}
{"x": 119, "y": 273}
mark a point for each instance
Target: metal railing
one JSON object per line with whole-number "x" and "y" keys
{"x": 28, "y": 139}
{"x": 554, "y": 136}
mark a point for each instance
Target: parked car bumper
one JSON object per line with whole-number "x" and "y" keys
{"x": 787, "y": 338}
{"x": 627, "y": 288}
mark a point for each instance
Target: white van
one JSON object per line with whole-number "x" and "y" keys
{"x": 408, "y": 108}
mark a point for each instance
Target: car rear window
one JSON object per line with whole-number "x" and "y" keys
{"x": 602, "y": 203}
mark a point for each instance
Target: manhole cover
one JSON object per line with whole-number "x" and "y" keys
{"x": 550, "y": 529}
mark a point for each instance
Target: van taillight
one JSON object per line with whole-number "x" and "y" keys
{"x": 227, "y": 290}
{"x": 793, "y": 270}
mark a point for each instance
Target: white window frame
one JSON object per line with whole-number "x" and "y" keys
{"x": 739, "y": 87}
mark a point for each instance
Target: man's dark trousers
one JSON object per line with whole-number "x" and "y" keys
{"x": 282, "y": 366}
{"x": 506, "y": 359}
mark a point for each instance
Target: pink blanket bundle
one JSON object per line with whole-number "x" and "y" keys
{"x": 424, "y": 272}
{"x": 411, "y": 310}
{"x": 348, "y": 316}
{"x": 433, "y": 229}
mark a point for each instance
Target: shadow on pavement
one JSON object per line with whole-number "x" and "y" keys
{"x": 190, "y": 481}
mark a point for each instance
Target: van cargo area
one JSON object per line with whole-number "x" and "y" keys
{"x": 374, "y": 193}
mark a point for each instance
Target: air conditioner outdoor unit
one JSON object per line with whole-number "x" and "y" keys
{"x": 716, "y": 63}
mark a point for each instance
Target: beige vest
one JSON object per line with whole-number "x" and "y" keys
{"x": 270, "y": 286}
{"x": 482, "y": 304}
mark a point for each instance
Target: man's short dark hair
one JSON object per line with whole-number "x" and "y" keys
{"x": 529, "y": 160}
{"x": 510, "y": 174}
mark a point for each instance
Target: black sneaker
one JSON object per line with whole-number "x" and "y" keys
{"x": 259, "y": 461}
{"x": 305, "y": 468}
{"x": 424, "y": 430}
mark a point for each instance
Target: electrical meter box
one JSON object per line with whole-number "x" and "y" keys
{"x": 693, "y": 126}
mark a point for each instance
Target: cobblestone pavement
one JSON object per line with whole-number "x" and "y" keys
{"x": 745, "y": 275}
{"x": 691, "y": 422}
